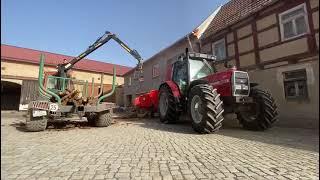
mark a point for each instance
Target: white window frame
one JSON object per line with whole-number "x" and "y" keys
{"x": 295, "y": 82}
{"x": 294, "y": 24}
{"x": 155, "y": 74}
{"x": 225, "y": 50}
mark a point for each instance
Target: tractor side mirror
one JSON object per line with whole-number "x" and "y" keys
{"x": 180, "y": 58}
{"x": 226, "y": 65}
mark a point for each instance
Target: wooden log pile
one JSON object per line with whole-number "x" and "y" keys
{"x": 73, "y": 97}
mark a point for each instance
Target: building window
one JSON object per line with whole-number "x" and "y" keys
{"x": 129, "y": 81}
{"x": 136, "y": 75}
{"x": 219, "y": 49}
{"x": 155, "y": 70}
{"x": 294, "y": 22}
{"x": 295, "y": 84}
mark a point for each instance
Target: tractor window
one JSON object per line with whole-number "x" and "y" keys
{"x": 180, "y": 75}
{"x": 198, "y": 69}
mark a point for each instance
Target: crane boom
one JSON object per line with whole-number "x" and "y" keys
{"x": 63, "y": 68}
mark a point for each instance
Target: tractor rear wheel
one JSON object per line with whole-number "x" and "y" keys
{"x": 262, "y": 114}
{"x": 35, "y": 124}
{"x": 205, "y": 109}
{"x": 167, "y": 106}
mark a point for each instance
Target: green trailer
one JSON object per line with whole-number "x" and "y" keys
{"x": 40, "y": 112}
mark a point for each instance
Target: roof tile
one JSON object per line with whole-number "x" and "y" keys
{"x": 234, "y": 11}
{"x": 14, "y": 53}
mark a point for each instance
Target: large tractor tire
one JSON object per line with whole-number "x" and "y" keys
{"x": 103, "y": 119}
{"x": 167, "y": 106}
{"x": 36, "y": 124}
{"x": 262, "y": 115}
{"x": 205, "y": 109}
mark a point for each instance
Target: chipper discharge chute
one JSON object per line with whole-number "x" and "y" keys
{"x": 62, "y": 102}
{"x": 63, "y": 97}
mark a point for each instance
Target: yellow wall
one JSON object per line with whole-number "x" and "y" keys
{"x": 268, "y": 37}
{"x": 17, "y": 81}
{"x": 31, "y": 71}
{"x": 247, "y": 59}
{"x": 315, "y": 19}
{"x": 317, "y": 39}
{"x": 220, "y": 66}
{"x": 244, "y": 31}
{"x": 230, "y": 37}
{"x": 287, "y": 49}
{"x": 246, "y": 44}
{"x": 314, "y": 3}
{"x": 292, "y": 113}
{"x": 231, "y": 50}
{"x": 266, "y": 21}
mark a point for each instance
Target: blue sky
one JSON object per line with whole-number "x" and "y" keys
{"x": 69, "y": 27}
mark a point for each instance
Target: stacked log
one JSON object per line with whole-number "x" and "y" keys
{"x": 73, "y": 97}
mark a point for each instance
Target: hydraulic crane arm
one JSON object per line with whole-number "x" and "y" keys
{"x": 63, "y": 68}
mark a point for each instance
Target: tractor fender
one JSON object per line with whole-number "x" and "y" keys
{"x": 253, "y": 84}
{"x": 174, "y": 88}
{"x": 196, "y": 82}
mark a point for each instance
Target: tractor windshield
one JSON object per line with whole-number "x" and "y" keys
{"x": 199, "y": 69}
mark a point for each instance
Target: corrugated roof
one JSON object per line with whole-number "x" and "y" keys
{"x": 13, "y": 53}
{"x": 233, "y": 11}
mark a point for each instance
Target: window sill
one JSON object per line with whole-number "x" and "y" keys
{"x": 294, "y": 37}
{"x": 298, "y": 99}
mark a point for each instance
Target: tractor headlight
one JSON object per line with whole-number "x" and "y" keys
{"x": 245, "y": 87}
{"x": 241, "y": 86}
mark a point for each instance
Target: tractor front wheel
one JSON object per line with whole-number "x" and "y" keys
{"x": 167, "y": 106}
{"x": 35, "y": 124}
{"x": 261, "y": 114}
{"x": 205, "y": 109}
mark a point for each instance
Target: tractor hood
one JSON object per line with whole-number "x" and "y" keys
{"x": 221, "y": 81}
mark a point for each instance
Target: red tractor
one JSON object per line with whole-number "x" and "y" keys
{"x": 194, "y": 86}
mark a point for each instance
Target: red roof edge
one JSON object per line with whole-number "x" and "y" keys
{"x": 27, "y": 55}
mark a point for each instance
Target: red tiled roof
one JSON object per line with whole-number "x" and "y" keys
{"x": 13, "y": 53}
{"x": 234, "y": 11}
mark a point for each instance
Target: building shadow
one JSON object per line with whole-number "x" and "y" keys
{"x": 298, "y": 138}
{"x": 20, "y": 126}
{"x": 55, "y": 126}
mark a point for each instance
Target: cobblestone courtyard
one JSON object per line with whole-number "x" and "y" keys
{"x": 146, "y": 149}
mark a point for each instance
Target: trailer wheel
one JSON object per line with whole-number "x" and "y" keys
{"x": 103, "y": 119}
{"x": 205, "y": 109}
{"x": 260, "y": 116}
{"x": 167, "y": 106}
{"x": 91, "y": 117}
{"x": 35, "y": 124}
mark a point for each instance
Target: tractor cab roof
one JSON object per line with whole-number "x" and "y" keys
{"x": 200, "y": 56}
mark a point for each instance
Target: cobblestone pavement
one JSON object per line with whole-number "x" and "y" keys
{"x": 146, "y": 149}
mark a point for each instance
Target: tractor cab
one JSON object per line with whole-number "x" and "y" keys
{"x": 192, "y": 67}
{"x": 196, "y": 68}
